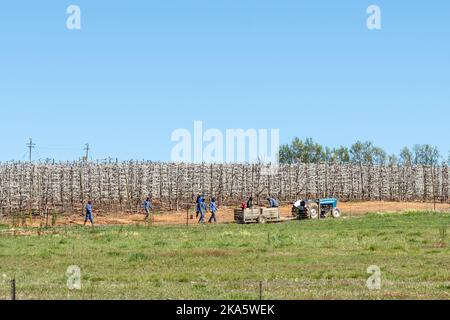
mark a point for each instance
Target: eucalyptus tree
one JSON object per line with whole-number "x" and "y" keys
{"x": 406, "y": 157}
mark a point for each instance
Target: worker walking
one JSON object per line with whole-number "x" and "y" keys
{"x": 198, "y": 205}
{"x": 213, "y": 209}
{"x": 202, "y": 207}
{"x": 89, "y": 209}
{"x": 147, "y": 207}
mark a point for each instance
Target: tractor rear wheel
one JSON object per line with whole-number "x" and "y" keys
{"x": 313, "y": 211}
{"x": 336, "y": 213}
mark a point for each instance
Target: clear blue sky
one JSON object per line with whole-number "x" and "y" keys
{"x": 140, "y": 69}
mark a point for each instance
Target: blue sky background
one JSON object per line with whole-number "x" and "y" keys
{"x": 140, "y": 69}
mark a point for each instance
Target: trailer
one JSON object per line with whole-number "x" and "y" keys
{"x": 302, "y": 209}
{"x": 257, "y": 215}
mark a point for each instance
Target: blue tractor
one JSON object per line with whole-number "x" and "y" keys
{"x": 311, "y": 208}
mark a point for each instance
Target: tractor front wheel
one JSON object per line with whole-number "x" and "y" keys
{"x": 336, "y": 213}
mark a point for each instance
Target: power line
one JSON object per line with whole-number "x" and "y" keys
{"x": 30, "y": 146}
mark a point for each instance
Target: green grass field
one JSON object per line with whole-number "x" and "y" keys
{"x": 325, "y": 259}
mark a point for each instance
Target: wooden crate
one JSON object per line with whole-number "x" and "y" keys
{"x": 246, "y": 215}
{"x": 252, "y": 215}
{"x": 271, "y": 214}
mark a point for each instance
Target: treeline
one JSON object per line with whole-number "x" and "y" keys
{"x": 365, "y": 153}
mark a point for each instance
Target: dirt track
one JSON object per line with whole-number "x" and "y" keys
{"x": 225, "y": 214}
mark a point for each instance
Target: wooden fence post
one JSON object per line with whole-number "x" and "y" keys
{"x": 13, "y": 289}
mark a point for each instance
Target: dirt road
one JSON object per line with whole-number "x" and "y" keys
{"x": 226, "y": 214}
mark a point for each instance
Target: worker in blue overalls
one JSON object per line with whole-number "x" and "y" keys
{"x": 202, "y": 211}
{"x": 147, "y": 207}
{"x": 89, "y": 209}
{"x": 273, "y": 203}
{"x": 198, "y": 205}
{"x": 213, "y": 209}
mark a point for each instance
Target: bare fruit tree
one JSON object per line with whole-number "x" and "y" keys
{"x": 65, "y": 187}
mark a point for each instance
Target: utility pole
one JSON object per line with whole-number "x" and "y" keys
{"x": 86, "y": 149}
{"x": 30, "y": 146}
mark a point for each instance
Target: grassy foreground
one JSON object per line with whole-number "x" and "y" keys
{"x": 325, "y": 259}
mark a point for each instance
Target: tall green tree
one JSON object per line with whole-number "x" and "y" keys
{"x": 342, "y": 155}
{"x": 406, "y": 156}
{"x": 361, "y": 152}
{"x": 426, "y": 154}
{"x": 357, "y": 152}
{"x": 379, "y": 156}
{"x": 393, "y": 160}
{"x": 286, "y": 154}
{"x": 367, "y": 153}
{"x": 302, "y": 151}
